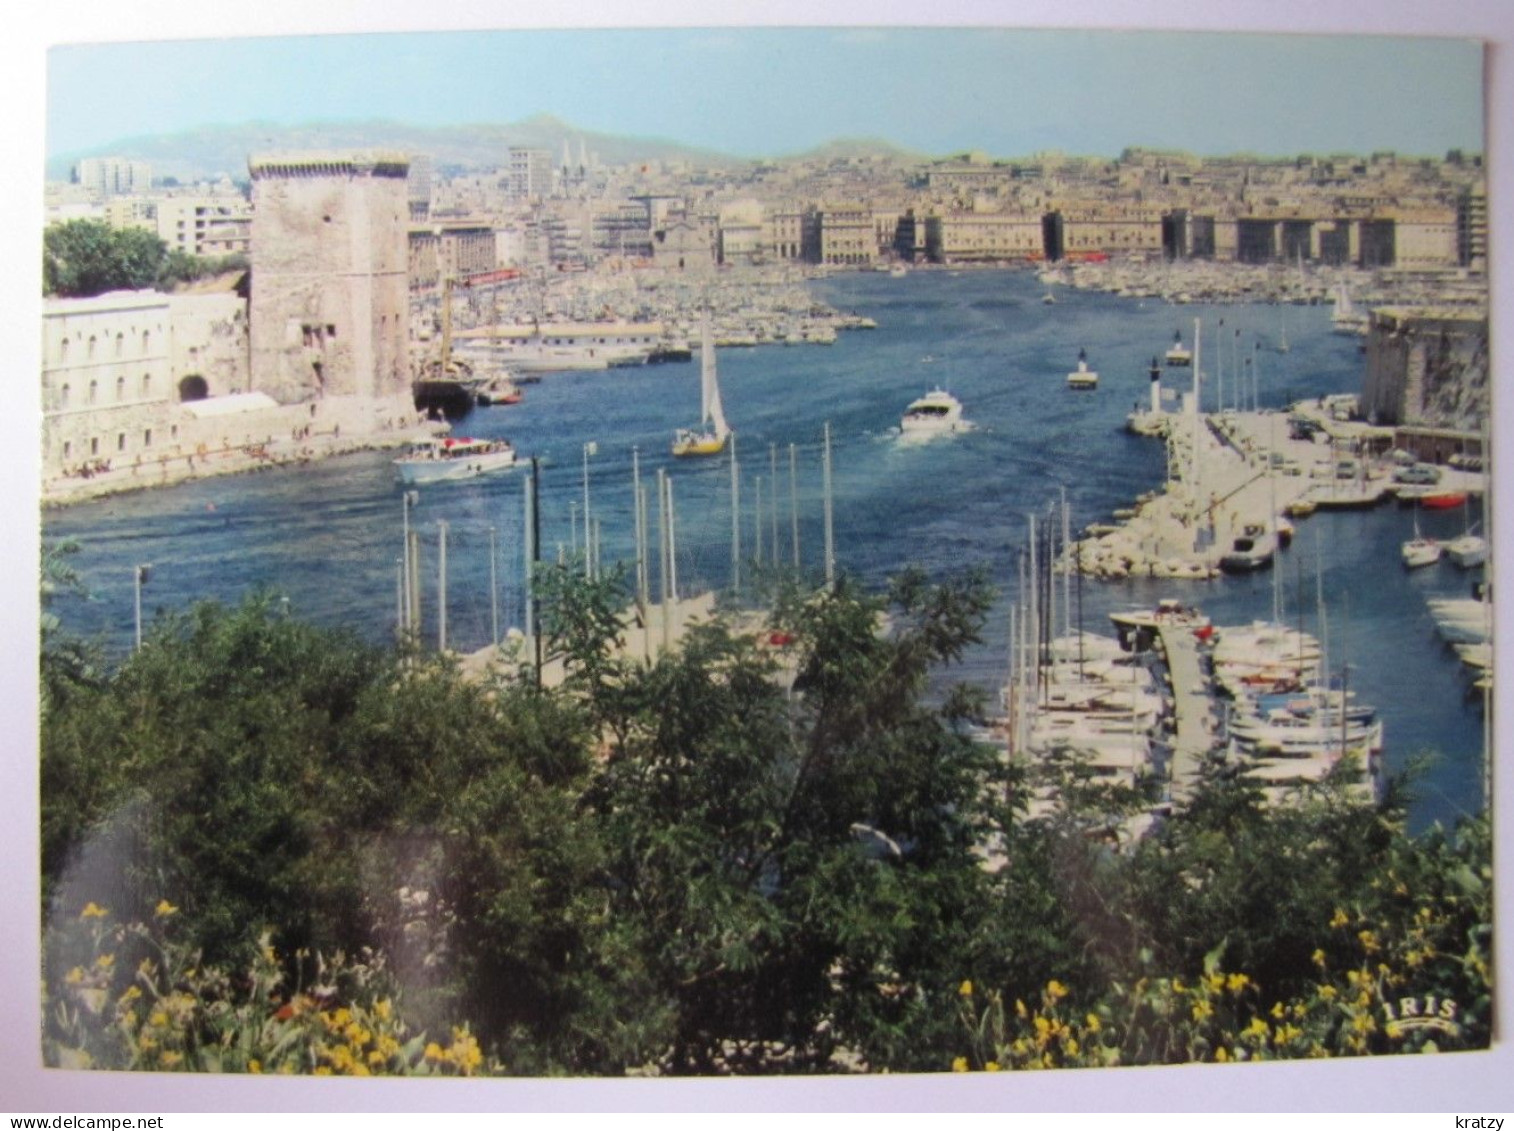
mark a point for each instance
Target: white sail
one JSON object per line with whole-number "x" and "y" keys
{"x": 713, "y": 412}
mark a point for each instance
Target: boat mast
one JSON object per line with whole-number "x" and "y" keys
{"x": 773, "y": 492}
{"x": 794, "y": 501}
{"x": 830, "y": 530}
{"x": 441, "y": 586}
{"x": 662, "y": 550}
{"x": 735, "y": 521}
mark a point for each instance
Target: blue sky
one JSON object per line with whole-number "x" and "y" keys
{"x": 770, "y": 91}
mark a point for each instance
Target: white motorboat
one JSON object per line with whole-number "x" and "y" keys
{"x": 1467, "y": 551}
{"x": 936, "y": 412}
{"x": 1252, "y": 550}
{"x": 1169, "y": 611}
{"x": 453, "y": 457}
{"x": 1082, "y": 377}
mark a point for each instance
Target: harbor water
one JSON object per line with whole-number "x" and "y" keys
{"x": 327, "y": 536}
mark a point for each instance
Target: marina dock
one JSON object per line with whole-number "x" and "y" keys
{"x": 1193, "y": 708}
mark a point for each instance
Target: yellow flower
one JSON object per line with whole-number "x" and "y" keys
{"x": 1071, "y": 1046}
{"x": 1340, "y": 918}
{"x": 74, "y": 976}
{"x": 1201, "y": 1010}
{"x": 1368, "y": 940}
{"x": 958, "y": 1065}
{"x": 1257, "y": 1028}
{"x": 991, "y": 1066}
{"x": 1216, "y": 982}
{"x": 965, "y": 989}
{"x": 1093, "y": 1023}
{"x": 434, "y": 1052}
{"x": 382, "y": 1009}
{"x": 172, "y": 1059}
{"x": 1328, "y": 993}
{"x": 1020, "y": 1010}
{"x": 1319, "y": 957}
{"x": 158, "y": 1018}
{"x": 105, "y": 961}
{"x": 1237, "y": 982}
{"x": 93, "y": 910}
{"x": 255, "y": 1067}
{"x": 1055, "y": 990}
{"x": 1221, "y": 1055}
{"x": 1278, "y": 1011}
{"x": 321, "y": 1070}
{"x": 1177, "y": 986}
{"x": 164, "y": 909}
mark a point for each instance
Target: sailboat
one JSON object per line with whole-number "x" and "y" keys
{"x": 1345, "y": 318}
{"x": 709, "y": 438}
{"x": 1419, "y": 550}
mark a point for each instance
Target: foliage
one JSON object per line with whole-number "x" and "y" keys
{"x": 81, "y": 258}
{"x": 776, "y": 848}
{"x": 1408, "y": 974}
{"x": 133, "y": 997}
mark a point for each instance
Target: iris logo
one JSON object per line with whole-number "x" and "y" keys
{"x": 1415, "y": 1013}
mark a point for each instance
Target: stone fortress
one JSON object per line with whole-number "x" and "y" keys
{"x": 142, "y": 388}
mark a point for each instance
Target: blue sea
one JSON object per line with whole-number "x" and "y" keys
{"x": 328, "y": 536}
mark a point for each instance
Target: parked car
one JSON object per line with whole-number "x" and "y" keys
{"x": 1420, "y": 473}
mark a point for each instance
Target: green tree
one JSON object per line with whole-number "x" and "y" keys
{"x": 81, "y": 258}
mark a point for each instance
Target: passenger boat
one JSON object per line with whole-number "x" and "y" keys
{"x": 710, "y": 437}
{"x": 936, "y": 412}
{"x": 1082, "y": 377}
{"x": 453, "y": 457}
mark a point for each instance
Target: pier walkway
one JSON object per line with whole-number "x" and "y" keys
{"x": 1193, "y": 707}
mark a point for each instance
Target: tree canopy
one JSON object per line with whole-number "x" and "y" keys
{"x": 774, "y": 849}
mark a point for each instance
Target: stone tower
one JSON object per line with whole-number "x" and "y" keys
{"x": 329, "y": 307}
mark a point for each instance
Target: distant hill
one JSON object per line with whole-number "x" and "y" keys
{"x": 216, "y": 149}
{"x": 853, "y": 147}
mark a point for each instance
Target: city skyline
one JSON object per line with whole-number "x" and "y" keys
{"x": 770, "y": 92}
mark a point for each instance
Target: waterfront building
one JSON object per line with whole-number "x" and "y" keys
{"x": 329, "y": 313}
{"x": 786, "y": 232}
{"x": 966, "y": 237}
{"x": 843, "y": 235}
{"x": 115, "y": 366}
{"x": 1427, "y": 367}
